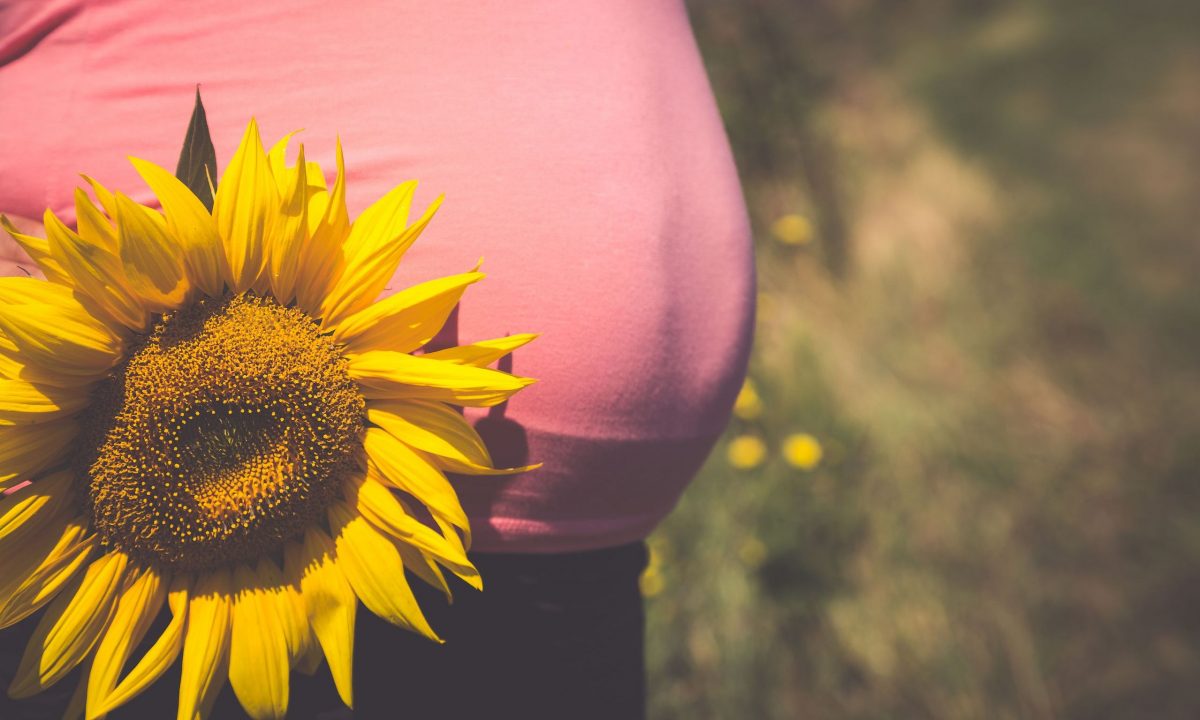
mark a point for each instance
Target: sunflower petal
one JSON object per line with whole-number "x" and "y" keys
{"x": 153, "y": 266}
{"x": 157, "y": 659}
{"x": 406, "y": 469}
{"x": 288, "y": 236}
{"x": 246, "y": 201}
{"x": 373, "y": 250}
{"x": 12, "y": 367}
{"x": 52, "y": 330}
{"x": 26, "y": 450}
{"x": 284, "y": 175}
{"x": 288, "y": 605}
{"x": 424, "y": 567}
{"x": 71, "y": 627}
{"x": 103, "y": 195}
{"x": 192, "y": 225}
{"x": 23, "y": 403}
{"x": 482, "y": 353}
{"x": 258, "y": 652}
{"x": 329, "y": 601}
{"x": 38, "y": 551}
{"x": 135, "y": 612}
{"x": 55, "y": 571}
{"x": 449, "y": 532}
{"x": 407, "y": 320}
{"x": 375, "y": 570}
{"x": 206, "y": 644}
{"x": 322, "y": 261}
{"x": 38, "y": 250}
{"x": 31, "y": 507}
{"x": 385, "y": 511}
{"x": 277, "y": 161}
{"x": 96, "y": 272}
{"x": 93, "y": 227}
{"x": 432, "y": 427}
{"x": 310, "y": 661}
{"x": 387, "y": 374}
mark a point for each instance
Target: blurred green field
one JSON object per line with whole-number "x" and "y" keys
{"x": 976, "y": 224}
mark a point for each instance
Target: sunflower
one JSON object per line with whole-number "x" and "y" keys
{"x": 216, "y": 416}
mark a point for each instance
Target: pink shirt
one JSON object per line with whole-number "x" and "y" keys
{"x": 580, "y": 152}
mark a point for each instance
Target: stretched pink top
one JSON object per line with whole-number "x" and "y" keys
{"x": 580, "y": 153}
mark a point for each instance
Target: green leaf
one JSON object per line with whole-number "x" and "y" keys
{"x": 198, "y": 159}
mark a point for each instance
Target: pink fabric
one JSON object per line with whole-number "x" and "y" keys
{"x": 580, "y": 152}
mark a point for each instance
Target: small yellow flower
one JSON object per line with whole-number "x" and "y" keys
{"x": 793, "y": 229}
{"x": 752, "y": 552}
{"x": 802, "y": 451}
{"x": 748, "y": 405}
{"x": 651, "y": 582}
{"x": 746, "y": 452}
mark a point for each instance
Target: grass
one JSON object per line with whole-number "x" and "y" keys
{"x": 992, "y": 334}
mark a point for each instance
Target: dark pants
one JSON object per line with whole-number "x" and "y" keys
{"x": 551, "y": 636}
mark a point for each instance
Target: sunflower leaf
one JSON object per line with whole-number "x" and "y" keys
{"x": 197, "y": 166}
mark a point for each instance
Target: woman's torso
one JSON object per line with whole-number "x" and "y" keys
{"x": 580, "y": 153}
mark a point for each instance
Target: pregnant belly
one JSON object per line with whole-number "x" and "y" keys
{"x": 580, "y": 153}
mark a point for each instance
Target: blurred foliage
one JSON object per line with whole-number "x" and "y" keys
{"x": 979, "y": 325}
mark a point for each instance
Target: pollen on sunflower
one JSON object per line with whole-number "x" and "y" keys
{"x": 225, "y": 433}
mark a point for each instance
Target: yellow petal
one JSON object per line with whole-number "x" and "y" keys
{"x": 375, "y": 570}
{"x": 258, "y": 652}
{"x": 310, "y": 661}
{"x": 407, "y": 320}
{"x": 424, "y": 567}
{"x": 135, "y": 612}
{"x": 94, "y": 229}
{"x": 152, "y": 258}
{"x": 377, "y": 503}
{"x": 50, "y": 340}
{"x": 329, "y": 602}
{"x": 57, "y": 568}
{"x": 277, "y": 162}
{"x": 70, "y": 627}
{"x": 449, "y": 532}
{"x": 107, "y": 201}
{"x": 53, "y": 331}
{"x": 190, "y": 223}
{"x": 246, "y": 201}
{"x": 96, "y": 272}
{"x": 38, "y": 550}
{"x": 22, "y": 403}
{"x": 481, "y": 353}
{"x": 373, "y": 250}
{"x": 288, "y": 606}
{"x": 386, "y": 374}
{"x": 206, "y": 644}
{"x": 289, "y": 235}
{"x": 157, "y": 659}
{"x": 432, "y": 427}
{"x": 13, "y": 367}
{"x": 322, "y": 261}
{"x": 406, "y": 469}
{"x": 38, "y": 250}
{"x": 32, "y": 506}
{"x": 26, "y": 450}
{"x": 285, "y": 175}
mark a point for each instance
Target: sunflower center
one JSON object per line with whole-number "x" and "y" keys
{"x": 225, "y": 433}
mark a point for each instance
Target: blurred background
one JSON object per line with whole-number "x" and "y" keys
{"x": 962, "y": 480}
